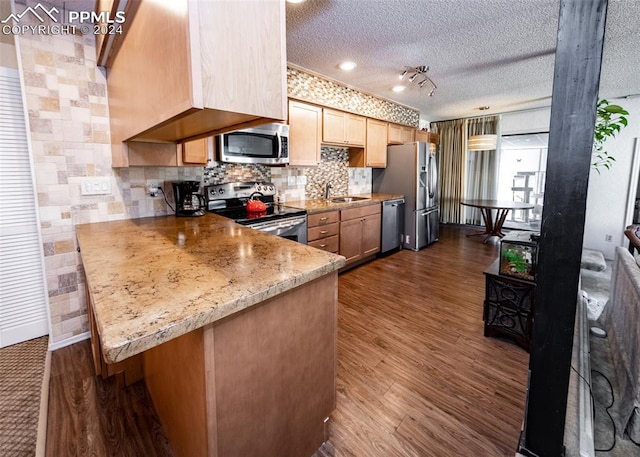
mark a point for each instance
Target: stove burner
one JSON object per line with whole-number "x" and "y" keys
{"x": 230, "y": 200}
{"x": 273, "y": 212}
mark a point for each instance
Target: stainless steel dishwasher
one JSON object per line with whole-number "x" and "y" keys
{"x": 392, "y": 224}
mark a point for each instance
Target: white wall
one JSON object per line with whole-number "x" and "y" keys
{"x": 609, "y": 192}
{"x": 531, "y": 121}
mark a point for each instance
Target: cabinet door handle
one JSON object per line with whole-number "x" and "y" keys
{"x": 324, "y": 232}
{"x": 324, "y": 218}
{"x": 323, "y": 245}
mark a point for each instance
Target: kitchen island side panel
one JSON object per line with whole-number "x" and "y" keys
{"x": 265, "y": 380}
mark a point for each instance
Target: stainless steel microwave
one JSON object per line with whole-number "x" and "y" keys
{"x": 266, "y": 144}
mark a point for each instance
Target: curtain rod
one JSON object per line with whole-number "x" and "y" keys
{"x": 499, "y": 115}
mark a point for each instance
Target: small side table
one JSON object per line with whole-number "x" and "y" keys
{"x": 508, "y": 306}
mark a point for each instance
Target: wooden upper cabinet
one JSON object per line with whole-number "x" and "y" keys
{"x": 343, "y": 129}
{"x": 376, "y": 149}
{"x": 356, "y": 127}
{"x": 400, "y": 134}
{"x": 427, "y": 137}
{"x": 408, "y": 134}
{"x": 188, "y": 68}
{"x": 305, "y": 134}
{"x": 374, "y": 154}
{"x": 395, "y": 134}
{"x": 196, "y": 151}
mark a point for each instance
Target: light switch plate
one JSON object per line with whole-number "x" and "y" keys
{"x": 95, "y": 186}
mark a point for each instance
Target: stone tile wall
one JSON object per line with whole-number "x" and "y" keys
{"x": 69, "y": 127}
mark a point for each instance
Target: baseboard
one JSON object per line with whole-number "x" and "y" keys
{"x": 41, "y": 440}
{"x": 69, "y": 341}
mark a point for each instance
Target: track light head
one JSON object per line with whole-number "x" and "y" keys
{"x": 419, "y": 71}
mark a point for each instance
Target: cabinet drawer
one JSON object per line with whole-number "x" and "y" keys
{"x": 314, "y": 220}
{"x": 330, "y": 244}
{"x": 362, "y": 211}
{"x": 323, "y": 231}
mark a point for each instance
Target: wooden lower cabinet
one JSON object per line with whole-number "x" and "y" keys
{"x": 330, "y": 244}
{"x": 371, "y": 227}
{"x": 360, "y": 232}
{"x": 353, "y": 233}
{"x": 351, "y": 239}
{"x": 242, "y": 386}
{"x": 323, "y": 230}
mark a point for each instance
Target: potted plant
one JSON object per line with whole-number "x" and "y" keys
{"x": 610, "y": 119}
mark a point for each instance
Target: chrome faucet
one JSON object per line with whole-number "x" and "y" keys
{"x": 327, "y": 191}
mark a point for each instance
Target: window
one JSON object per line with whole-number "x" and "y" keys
{"x": 521, "y": 177}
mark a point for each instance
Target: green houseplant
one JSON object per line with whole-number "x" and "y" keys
{"x": 610, "y": 119}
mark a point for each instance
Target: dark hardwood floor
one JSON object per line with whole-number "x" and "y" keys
{"x": 416, "y": 376}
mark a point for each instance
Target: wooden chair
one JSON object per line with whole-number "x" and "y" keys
{"x": 633, "y": 233}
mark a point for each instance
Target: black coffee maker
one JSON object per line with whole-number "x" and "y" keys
{"x": 188, "y": 201}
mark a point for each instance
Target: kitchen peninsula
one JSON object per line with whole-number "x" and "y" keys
{"x": 235, "y": 329}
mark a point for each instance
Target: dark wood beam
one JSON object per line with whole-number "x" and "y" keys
{"x": 573, "y": 113}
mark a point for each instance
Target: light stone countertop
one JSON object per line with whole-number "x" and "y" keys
{"x": 154, "y": 279}
{"x": 320, "y": 205}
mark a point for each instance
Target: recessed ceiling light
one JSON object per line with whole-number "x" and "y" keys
{"x": 398, "y": 88}
{"x": 346, "y": 66}
{"x": 295, "y": 1}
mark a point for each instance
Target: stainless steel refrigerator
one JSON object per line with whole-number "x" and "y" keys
{"x": 412, "y": 170}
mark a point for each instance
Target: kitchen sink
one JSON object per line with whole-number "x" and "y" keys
{"x": 347, "y": 199}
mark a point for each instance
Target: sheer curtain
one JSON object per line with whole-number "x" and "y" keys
{"x": 482, "y": 168}
{"x": 453, "y": 150}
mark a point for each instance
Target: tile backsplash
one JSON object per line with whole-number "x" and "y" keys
{"x": 307, "y": 183}
{"x": 219, "y": 172}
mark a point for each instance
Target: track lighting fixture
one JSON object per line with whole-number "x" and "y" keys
{"x": 419, "y": 74}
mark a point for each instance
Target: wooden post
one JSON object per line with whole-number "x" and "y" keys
{"x": 573, "y": 113}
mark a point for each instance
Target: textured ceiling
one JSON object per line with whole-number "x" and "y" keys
{"x": 498, "y": 53}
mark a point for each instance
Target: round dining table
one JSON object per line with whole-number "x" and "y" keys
{"x": 493, "y": 225}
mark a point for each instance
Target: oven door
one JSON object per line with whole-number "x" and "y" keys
{"x": 292, "y": 228}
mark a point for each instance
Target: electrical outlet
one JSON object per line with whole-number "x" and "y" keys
{"x": 153, "y": 187}
{"x": 95, "y": 186}
{"x": 152, "y": 190}
{"x": 608, "y": 238}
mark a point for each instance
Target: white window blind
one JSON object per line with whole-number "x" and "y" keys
{"x": 23, "y": 299}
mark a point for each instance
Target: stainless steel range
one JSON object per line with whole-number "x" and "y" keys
{"x": 230, "y": 200}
